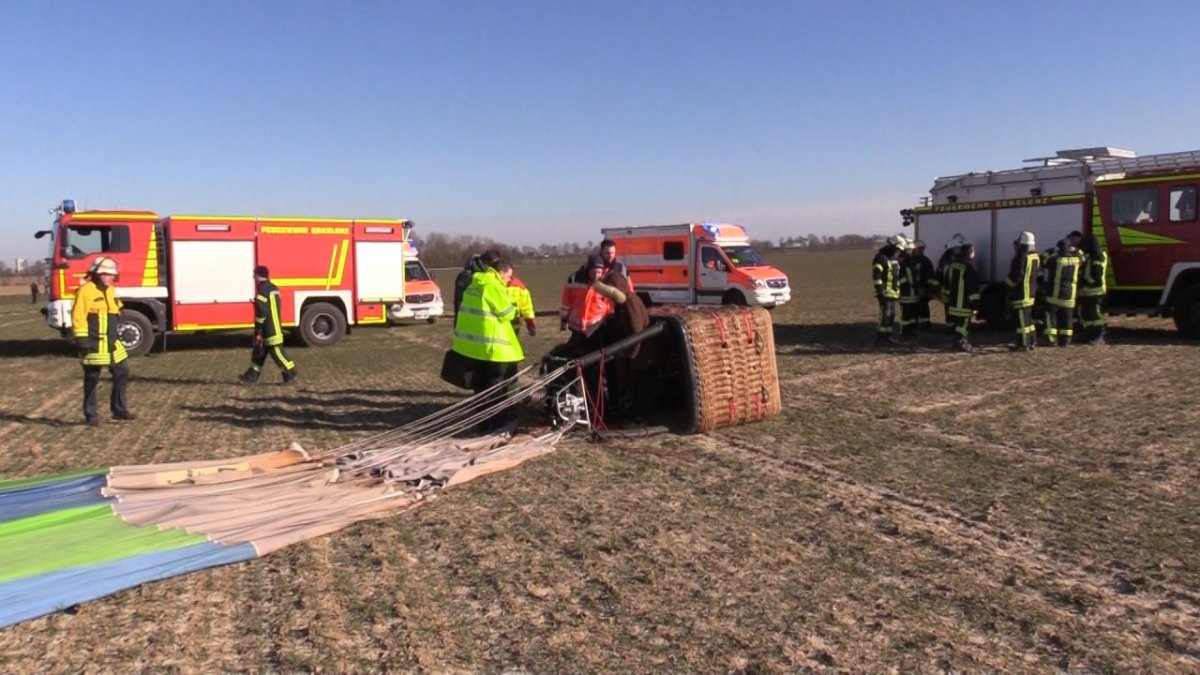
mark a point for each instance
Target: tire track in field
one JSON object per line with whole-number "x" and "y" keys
{"x": 1168, "y": 614}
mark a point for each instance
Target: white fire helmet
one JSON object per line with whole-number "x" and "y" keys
{"x": 1026, "y": 239}
{"x": 957, "y": 240}
{"x": 104, "y": 266}
{"x": 898, "y": 240}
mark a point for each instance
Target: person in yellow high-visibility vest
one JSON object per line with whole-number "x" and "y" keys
{"x": 523, "y": 300}
{"x": 484, "y": 335}
{"x": 94, "y": 318}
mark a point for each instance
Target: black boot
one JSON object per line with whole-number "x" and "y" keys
{"x": 249, "y": 377}
{"x": 289, "y": 376}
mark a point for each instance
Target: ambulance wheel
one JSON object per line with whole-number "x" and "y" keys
{"x": 1187, "y": 312}
{"x": 321, "y": 325}
{"x": 431, "y": 320}
{"x": 136, "y": 332}
{"x": 733, "y": 298}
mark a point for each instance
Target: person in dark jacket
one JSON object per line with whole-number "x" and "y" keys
{"x": 478, "y": 262}
{"x": 960, "y": 292}
{"x": 885, "y": 275}
{"x": 927, "y": 283}
{"x": 1022, "y": 285}
{"x": 268, "y": 331}
{"x": 952, "y": 251}
{"x": 1092, "y": 287}
{"x": 1061, "y": 290}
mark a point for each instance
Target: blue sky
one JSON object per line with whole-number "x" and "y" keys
{"x": 545, "y": 121}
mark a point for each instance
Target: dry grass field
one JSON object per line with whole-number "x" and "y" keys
{"x": 911, "y": 509}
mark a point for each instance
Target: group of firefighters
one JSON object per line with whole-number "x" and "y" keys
{"x": 1055, "y": 287}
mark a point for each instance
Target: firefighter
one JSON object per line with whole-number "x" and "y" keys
{"x": 94, "y": 318}
{"x": 484, "y": 334}
{"x": 960, "y": 287}
{"x": 523, "y": 301}
{"x": 1022, "y": 285}
{"x": 1062, "y": 286}
{"x": 948, "y": 256}
{"x": 478, "y": 262}
{"x": 268, "y": 331}
{"x": 1092, "y": 287}
{"x": 910, "y": 290}
{"x": 585, "y": 309}
{"x": 33, "y": 290}
{"x": 927, "y": 284}
{"x": 885, "y": 275}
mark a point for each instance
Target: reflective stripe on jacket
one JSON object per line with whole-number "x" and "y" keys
{"x": 576, "y": 284}
{"x": 885, "y": 274}
{"x": 911, "y": 286}
{"x": 94, "y": 317}
{"x": 1062, "y": 280}
{"x": 960, "y": 289}
{"x": 1021, "y": 279}
{"x": 483, "y": 329}
{"x": 1092, "y": 279}
{"x": 266, "y": 314}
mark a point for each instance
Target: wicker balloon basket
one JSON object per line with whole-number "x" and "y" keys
{"x": 727, "y": 366}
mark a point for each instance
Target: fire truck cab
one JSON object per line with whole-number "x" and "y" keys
{"x": 1142, "y": 210}
{"x": 193, "y": 273}
{"x": 698, "y": 264}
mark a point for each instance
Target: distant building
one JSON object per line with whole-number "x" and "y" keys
{"x": 21, "y": 266}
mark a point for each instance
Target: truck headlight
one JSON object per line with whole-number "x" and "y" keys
{"x": 759, "y": 283}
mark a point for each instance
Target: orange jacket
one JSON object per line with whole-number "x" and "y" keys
{"x": 583, "y": 309}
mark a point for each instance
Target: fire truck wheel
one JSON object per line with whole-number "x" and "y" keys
{"x": 136, "y": 332}
{"x": 1187, "y": 312}
{"x": 321, "y": 325}
{"x": 732, "y": 297}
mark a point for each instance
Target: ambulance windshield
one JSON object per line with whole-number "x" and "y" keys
{"x": 742, "y": 255}
{"x": 415, "y": 271}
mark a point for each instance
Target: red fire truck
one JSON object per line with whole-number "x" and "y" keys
{"x": 1142, "y": 210}
{"x": 192, "y": 273}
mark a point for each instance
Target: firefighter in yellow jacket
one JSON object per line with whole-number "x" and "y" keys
{"x": 483, "y": 332}
{"x": 268, "y": 330}
{"x": 94, "y": 318}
